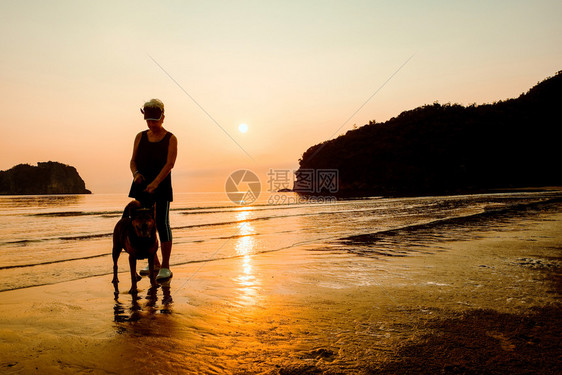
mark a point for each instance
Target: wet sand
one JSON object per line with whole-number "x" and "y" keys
{"x": 487, "y": 303}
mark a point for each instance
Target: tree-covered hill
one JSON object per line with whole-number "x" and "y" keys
{"x": 441, "y": 149}
{"x": 45, "y": 178}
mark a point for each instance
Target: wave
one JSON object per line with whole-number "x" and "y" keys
{"x": 22, "y": 242}
{"x": 195, "y": 261}
{"x": 506, "y": 205}
{"x": 396, "y": 242}
{"x": 414, "y": 236}
{"x": 252, "y": 208}
{"x": 450, "y": 222}
{"x": 191, "y": 226}
{"x": 51, "y": 262}
{"x": 263, "y": 206}
{"x": 183, "y": 210}
{"x": 78, "y": 213}
{"x": 51, "y": 239}
{"x": 84, "y": 237}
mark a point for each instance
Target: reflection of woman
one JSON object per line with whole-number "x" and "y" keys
{"x": 154, "y": 156}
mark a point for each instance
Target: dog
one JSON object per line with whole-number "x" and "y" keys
{"x": 135, "y": 233}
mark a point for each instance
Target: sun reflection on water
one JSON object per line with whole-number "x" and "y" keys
{"x": 246, "y": 247}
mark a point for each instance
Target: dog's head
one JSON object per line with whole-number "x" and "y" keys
{"x": 142, "y": 219}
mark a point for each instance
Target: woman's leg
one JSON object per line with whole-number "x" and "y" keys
{"x": 164, "y": 231}
{"x": 166, "y": 252}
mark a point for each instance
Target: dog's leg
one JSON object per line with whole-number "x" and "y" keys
{"x": 133, "y": 266}
{"x": 151, "y": 271}
{"x": 115, "y": 254}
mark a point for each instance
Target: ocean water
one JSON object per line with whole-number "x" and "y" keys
{"x": 53, "y": 239}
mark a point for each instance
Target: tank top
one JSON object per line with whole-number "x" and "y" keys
{"x": 151, "y": 157}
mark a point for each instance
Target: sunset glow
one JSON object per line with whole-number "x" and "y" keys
{"x": 74, "y": 76}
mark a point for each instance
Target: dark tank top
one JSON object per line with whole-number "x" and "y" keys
{"x": 150, "y": 159}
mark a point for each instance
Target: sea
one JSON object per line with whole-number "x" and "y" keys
{"x": 57, "y": 238}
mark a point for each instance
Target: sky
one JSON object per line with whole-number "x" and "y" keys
{"x": 74, "y": 75}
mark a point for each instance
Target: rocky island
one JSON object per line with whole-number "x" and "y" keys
{"x": 446, "y": 149}
{"x": 45, "y": 178}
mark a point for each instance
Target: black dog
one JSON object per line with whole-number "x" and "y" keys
{"x": 136, "y": 234}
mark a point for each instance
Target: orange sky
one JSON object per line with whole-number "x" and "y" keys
{"x": 74, "y": 75}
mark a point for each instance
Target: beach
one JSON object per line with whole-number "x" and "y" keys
{"x": 481, "y": 296}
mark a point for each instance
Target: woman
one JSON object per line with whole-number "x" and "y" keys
{"x": 154, "y": 156}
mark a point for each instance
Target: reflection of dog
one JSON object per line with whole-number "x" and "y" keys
{"x": 136, "y": 233}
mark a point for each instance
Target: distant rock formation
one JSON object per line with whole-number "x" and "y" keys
{"x": 446, "y": 149}
{"x": 45, "y": 178}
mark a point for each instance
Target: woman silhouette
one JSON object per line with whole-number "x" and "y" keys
{"x": 154, "y": 156}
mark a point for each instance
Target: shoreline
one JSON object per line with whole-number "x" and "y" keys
{"x": 374, "y": 193}
{"x": 489, "y": 302}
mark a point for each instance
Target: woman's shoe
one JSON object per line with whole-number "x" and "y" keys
{"x": 145, "y": 271}
{"x": 164, "y": 274}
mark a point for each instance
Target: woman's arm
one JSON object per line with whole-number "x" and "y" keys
{"x": 172, "y": 154}
{"x": 133, "y": 164}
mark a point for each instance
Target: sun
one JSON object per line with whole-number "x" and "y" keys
{"x": 243, "y": 128}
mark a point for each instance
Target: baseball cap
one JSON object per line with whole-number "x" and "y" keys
{"x": 153, "y": 109}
